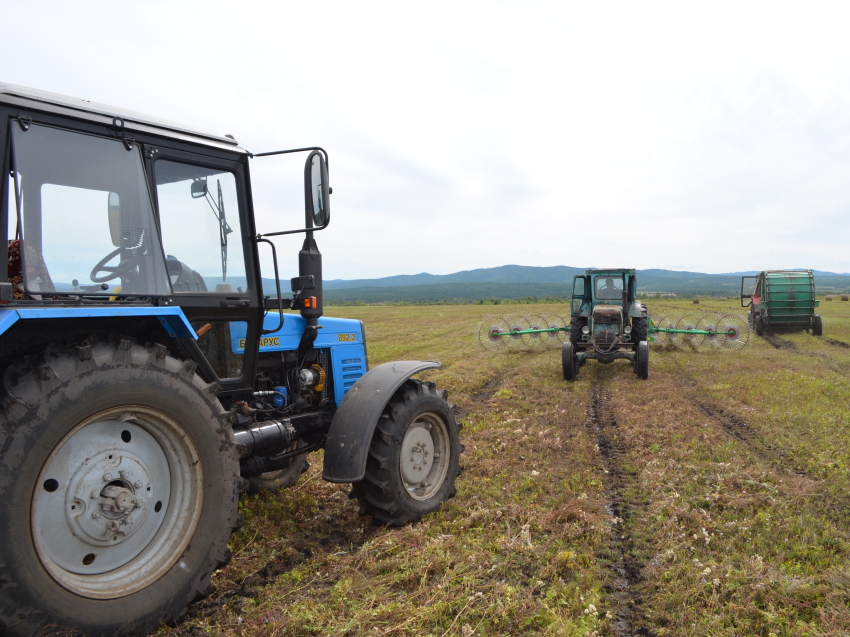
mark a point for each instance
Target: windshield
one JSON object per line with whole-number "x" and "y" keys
{"x": 609, "y": 288}
{"x": 86, "y": 220}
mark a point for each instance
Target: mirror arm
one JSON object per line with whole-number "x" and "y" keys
{"x": 294, "y": 150}
{"x": 277, "y": 283}
{"x": 260, "y": 237}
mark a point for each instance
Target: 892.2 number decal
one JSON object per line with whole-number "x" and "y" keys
{"x": 347, "y": 337}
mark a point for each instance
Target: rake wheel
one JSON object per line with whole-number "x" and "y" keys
{"x": 690, "y": 322}
{"x": 708, "y": 323}
{"x": 733, "y": 332}
{"x": 517, "y": 324}
{"x": 535, "y": 341}
{"x": 493, "y": 333}
{"x": 554, "y": 339}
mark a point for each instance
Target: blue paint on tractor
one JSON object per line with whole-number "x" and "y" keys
{"x": 172, "y": 318}
{"x": 343, "y": 337}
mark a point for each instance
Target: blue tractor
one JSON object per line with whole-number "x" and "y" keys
{"x": 148, "y": 382}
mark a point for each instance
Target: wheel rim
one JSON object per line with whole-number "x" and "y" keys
{"x": 117, "y": 502}
{"x": 424, "y": 459}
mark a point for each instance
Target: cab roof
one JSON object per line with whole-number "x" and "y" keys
{"x": 103, "y": 113}
{"x": 611, "y": 271}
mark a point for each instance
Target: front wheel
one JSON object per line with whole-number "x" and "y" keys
{"x": 817, "y": 327}
{"x": 414, "y": 457}
{"x": 569, "y": 363}
{"x": 642, "y": 360}
{"x": 119, "y": 478}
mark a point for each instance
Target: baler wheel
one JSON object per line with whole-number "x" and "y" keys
{"x": 759, "y": 325}
{"x": 817, "y": 327}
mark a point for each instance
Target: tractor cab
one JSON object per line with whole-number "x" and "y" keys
{"x": 607, "y": 322}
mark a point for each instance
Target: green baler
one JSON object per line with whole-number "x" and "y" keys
{"x": 781, "y": 301}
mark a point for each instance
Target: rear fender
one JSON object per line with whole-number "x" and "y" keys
{"x": 353, "y": 425}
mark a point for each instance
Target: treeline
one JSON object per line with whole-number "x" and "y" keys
{"x": 496, "y": 293}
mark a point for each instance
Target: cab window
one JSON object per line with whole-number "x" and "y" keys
{"x": 609, "y": 288}
{"x": 201, "y": 234}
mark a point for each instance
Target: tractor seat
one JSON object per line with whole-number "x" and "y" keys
{"x": 183, "y": 278}
{"x": 37, "y": 273}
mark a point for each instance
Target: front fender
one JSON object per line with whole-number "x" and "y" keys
{"x": 350, "y": 434}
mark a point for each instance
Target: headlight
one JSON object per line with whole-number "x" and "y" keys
{"x": 627, "y": 329}
{"x": 585, "y": 330}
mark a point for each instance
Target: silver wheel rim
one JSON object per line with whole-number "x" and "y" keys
{"x": 117, "y": 502}
{"x": 424, "y": 459}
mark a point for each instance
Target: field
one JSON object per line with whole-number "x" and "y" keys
{"x": 711, "y": 499}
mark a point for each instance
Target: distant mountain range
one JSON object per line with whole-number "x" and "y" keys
{"x": 519, "y": 282}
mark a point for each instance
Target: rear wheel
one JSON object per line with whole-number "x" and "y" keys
{"x": 282, "y": 478}
{"x": 120, "y": 484}
{"x": 569, "y": 364}
{"x": 642, "y": 360}
{"x": 576, "y": 323}
{"x": 414, "y": 457}
{"x": 759, "y": 325}
{"x": 817, "y": 326}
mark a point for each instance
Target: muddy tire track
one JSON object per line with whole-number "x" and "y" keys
{"x": 779, "y": 343}
{"x": 626, "y": 606}
{"x": 484, "y": 394}
{"x": 836, "y": 343}
{"x": 739, "y": 429}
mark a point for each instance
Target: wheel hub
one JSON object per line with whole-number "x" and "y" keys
{"x": 104, "y": 499}
{"x": 417, "y": 454}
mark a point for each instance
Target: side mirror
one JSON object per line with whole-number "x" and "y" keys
{"x": 114, "y": 219}
{"x": 316, "y": 191}
{"x": 199, "y": 189}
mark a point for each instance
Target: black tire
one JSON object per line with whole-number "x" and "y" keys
{"x": 642, "y": 360}
{"x": 759, "y": 327}
{"x": 282, "y": 478}
{"x": 576, "y": 323}
{"x": 817, "y": 326}
{"x": 639, "y": 330}
{"x": 418, "y": 416}
{"x": 90, "y": 401}
{"x": 569, "y": 363}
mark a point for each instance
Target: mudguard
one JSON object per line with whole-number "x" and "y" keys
{"x": 350, "y": 435}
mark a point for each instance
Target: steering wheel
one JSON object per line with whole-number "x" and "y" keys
{"x": 113, "y": 271}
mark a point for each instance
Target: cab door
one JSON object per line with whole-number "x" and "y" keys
{"x": 207, "y": 235}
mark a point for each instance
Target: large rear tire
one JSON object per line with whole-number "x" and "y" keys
{"x": 120, "y": 485}
{"x": 576, "y": 323}
{"x": 414, "y": 457}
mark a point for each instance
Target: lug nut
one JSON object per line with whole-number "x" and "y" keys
{"x": 138, "y": 484}
{"x": 107, "y": 477}
{"x": 124, "y": 475}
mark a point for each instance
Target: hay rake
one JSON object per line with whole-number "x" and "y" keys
{"x": 694, "y": 331}
{"x": 722, "y": 331}
{"x": 522, "y": 332}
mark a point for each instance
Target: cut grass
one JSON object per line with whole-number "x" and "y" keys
{"x": 732, "y": 534}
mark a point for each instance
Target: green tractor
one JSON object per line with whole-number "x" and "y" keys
{"x": 607, "y": 322}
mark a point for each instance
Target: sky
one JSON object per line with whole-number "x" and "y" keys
{"x": 461, "y": 135}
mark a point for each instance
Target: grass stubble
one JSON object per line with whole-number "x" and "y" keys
{"x": 711, "y": 499}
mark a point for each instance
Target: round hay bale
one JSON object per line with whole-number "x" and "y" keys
{"x": 696, "y": 301}
{"x": 844, "y": 297}
{"x": 827, "y": 298}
